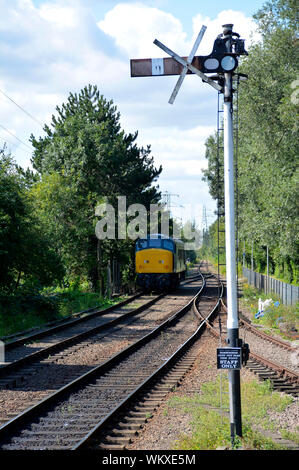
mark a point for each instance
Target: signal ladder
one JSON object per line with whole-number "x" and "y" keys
{"x": 220, "y": 202}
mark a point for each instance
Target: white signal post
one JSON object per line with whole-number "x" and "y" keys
{"x": 231, "y": 274}
{"x": 224, "y": 61}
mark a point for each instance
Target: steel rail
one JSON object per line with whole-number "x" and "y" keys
{"x": 45, "y": 352}
{"x": 28, "y": 415}
{"x": 66, "y": 342}
{"x": 98, "y": 429}
{"x": 288, "y": 374}
{"x": 65, "y": 323}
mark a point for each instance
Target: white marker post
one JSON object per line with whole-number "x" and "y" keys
{"x": 231, "y": 274}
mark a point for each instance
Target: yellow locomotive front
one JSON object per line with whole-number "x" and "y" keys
{"x": 159, "y": 262}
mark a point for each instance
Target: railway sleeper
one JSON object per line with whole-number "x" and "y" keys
{"x": 279, "y": 384}
{"x": 123, "y": 432}
{"x": 150, "y": 401}
{"x": 118, "y": 438}
{"x": 135, "y": 419}
{"x": 110, "y": 447}
{"x": 36, "y": 447}
{"x": 48, "y": 421}
{"x": 155, "y": 399}
{"x": 127, "y": 426}
{"x": 66, "y": 442}
{"x": 171, "y": 382}
{"x": 159, "y": 390}
{"x": 138, "y": 414}
{"x": 146, "y": 408}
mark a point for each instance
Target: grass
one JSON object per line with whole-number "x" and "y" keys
{"x": 286, "y": 314}
{"x": 25, "y": 311}
{"x": 211, "y": 429}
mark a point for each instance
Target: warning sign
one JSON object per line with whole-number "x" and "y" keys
{"x": 229, "y": 358}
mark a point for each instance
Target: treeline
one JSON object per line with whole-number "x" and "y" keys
{"x": 268, "y": 144}
{"x": 47, "y": 216}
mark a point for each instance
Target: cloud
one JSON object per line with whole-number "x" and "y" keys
{"x": 243, "y": 25}
{"x": 53, "y": 47}
{"x": 134, "y": 26}
{"x": 48, "y": 51}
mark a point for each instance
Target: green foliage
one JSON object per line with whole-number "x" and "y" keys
{"x": 24, "y": 310}
{"x": 84, "y": 160}
{"x": 86, "y": 142}
{"x": 27, "y": 255}
{"x": 47, "y": 217}
{"x": 268, "y": 144}
{"x": 210, "y": 427}
{"x": 288, "y": 315}
{"x": 28, "y": 309}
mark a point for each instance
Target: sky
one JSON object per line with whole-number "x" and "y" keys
{"x": 51, "y": 48}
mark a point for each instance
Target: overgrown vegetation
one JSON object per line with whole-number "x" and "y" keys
{"x": 281, "y": 319}
{"x": 26, "y": 310}
{"x": 210, "y": 427}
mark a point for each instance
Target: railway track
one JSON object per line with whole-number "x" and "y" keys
{"x": 22, "y": 358}
{"x": 65, "y": 418}
{"x": 23, "y": 354}
{"x": 282, "y": 378}
{"x": 32, "y": 378}
{"x": 21, "y": 344}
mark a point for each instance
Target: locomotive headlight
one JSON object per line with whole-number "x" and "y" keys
{"x": 228, "y": 63}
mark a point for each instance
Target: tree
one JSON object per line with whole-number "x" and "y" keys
{"x": 85, "y": 158}
{"x": 268, "y": 144}
{"x": 26, "y": 254}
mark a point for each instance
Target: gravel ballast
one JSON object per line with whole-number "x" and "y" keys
{"x": 168, "y": 424}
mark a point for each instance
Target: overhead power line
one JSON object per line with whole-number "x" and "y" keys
{"x": 16, "y": 137}
{"x": 24, "y": 110}
{"x": 6, "y": 141}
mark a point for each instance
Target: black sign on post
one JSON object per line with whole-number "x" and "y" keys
{"x": 229, "y": 358}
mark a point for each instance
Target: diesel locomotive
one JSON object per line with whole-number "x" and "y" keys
{"x": 159, "y": 262}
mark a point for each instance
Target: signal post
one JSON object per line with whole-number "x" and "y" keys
{"x": 221, "y": 62}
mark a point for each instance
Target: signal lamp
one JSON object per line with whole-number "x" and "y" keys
{"x": 228, "y": 63}
{"x": 211, "y": 63}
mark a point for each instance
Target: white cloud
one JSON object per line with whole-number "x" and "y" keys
{"x": 53, "y": 47}
{"x": 59, "y": 16}
{"x": 134, "y": 26}
{"x": 173, "y": 144}
{"x": 243, "y": 25}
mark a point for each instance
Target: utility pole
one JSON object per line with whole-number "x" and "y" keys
{"x": 167, "y": 200}
{"x": 222, "y": 61}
